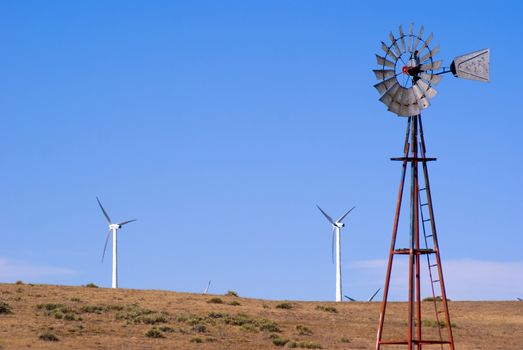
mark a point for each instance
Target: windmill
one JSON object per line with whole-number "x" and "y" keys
{"x": 113, "y": 228}
{"x": 336, "y": 247}
{"x": 368, "y": 300}
{"x": 407, "y": 76}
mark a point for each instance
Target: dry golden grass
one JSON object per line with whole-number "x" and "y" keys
{"x": 98, "y": 318}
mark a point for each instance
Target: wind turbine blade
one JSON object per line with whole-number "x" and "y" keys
{"x": 207, "y": 289}
{"x": 346, "y": 296}
{"x": 105, "y": 246}
{"x": 373, "y": 295}
{"x": 103, "y": 210}
{"x": 126, "y": 222}
{"x": 326, "y": 215}
{"x": 344, "y": 215}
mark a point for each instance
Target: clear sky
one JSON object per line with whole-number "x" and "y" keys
{"x": 220, "y": 125}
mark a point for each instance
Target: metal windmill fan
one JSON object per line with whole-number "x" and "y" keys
{"x": 408, "y": 71}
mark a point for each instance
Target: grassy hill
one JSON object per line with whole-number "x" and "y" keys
{"x": 57, "y": 317}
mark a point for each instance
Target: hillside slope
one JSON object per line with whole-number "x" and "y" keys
{"x": 97, "y": 318}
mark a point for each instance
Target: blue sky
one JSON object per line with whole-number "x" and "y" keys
{"x": 220, "y": 125}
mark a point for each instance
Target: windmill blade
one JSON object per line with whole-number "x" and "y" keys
{"x": 388, "y": 52}
{"x": 431, "y": 78}
{"x": 346, "y": 296}
{"x": 382, "y": 61}
{"x": 344, "y": 215}
{"x": 103, "y": 210}
{"x": 332, "y": 244}
{"x": 326, "y": 215}
{"x": 426, "y": 43}
{"x": 410, "y": 38}
{"x": 415, "y": 45}
{"x": 105, "y": 245}
{"x": 397, "y": 50}
{"x": 388, "y": 97}
{"x": 427, "y": 90}
{"x": 413, "y": 109}
{"x": 382, "y": 74}
{"x": 373, "y": 295}
{"x": 472, "y": 66}
{"x": 430, "y": 54}
{"x": 126, "y": 222}
{"x": 385, "y": 85}
{"x": 402, "y": 37}
{"x": 430, "y": 66}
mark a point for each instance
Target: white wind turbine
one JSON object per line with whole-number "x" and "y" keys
{"x": 336, "y": 247}
{"x": 113, "y": 228}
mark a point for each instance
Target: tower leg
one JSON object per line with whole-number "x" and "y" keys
{"x": 393, "y": 241}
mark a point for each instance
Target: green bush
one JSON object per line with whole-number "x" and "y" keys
{"x": 303, "y": 330}
{"x": 438, "y": 298}
{"x": 326, "y": 308}
{"x": 303, "y": 345}
{"x": 215, "y": 300}
{"x": 48, "y": 336}
{"x": 199, "y": 328}
{"x": 345, "y": 340}
{"x": 286, "y": 306}
{"x": 5, "y": 308}
{"x": 231, "y": 293}
{"x": 279, "y": 341}
{"x": 91, "y": 285}
{"x": 234, "y": 303}
{"x": 92, "y": 309}
{"x": 19, "y": 282}
{"x": 154, "y": 333}
{"x": 196, "y": 340}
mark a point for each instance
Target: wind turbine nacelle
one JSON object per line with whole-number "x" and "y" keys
{"x": 340, "y": 224}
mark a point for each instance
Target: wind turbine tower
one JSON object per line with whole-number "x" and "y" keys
{"x": 113, "y": 229}
{"x": 336, "y": 247}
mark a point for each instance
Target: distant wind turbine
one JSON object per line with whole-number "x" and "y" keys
{"x": 113, "y": 228}
{"x": 368, "y": 300}
{"x": 336, "y": 247}
{"x": 519, "y": 299}
{"x": 207, "y": 288}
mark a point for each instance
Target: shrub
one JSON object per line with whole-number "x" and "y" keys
{"x": 438, "y": 298}
{"x": 249, "y": 327}
{"x": 231, "y": 293}
{"x": 19, "y": 282}
{"x": 326, "y": 308}
{"x": 135, "y": 314}
{"x": 199, "y": 328}
{"x": 91, "y": 285}
{"x": 5, "y": 308}
{"x": 196, "y": 340}
{"x": 76, "y": 300}
{"x": 166, "y": 329}
{"x": 303, "y": 330}
{"x": 48, "y": 336}
{"x": 49, "y": 306}
{"x": 303, "y": 345}
{"x": 433, "y": 323}
{"x": 269, "y": 326}
{"x": 286, "y": 306}
{"x": 279, "y": 341}
{"x": 215, "y": 300}
{"x": 234, "y": 303}
{"x": 92, "y": 309}
{"x": 345, "y": 340}
{"x": 216, "y": 315}
{"x": 154, "y": 333}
